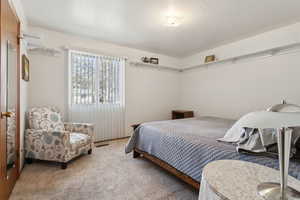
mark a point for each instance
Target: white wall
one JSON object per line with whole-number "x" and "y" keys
{"x": 227, "y": 90}
{"x": 231, "y": 90}
{"x": 150, "y": 94}
{"x": 23, "y": 106}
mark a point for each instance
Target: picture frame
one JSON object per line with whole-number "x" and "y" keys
{"x": 210, "y": 58}
{"x": 154, "y": 61}
{"x": 25, "y": 68}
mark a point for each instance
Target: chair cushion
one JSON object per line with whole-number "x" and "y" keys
{"x": 45, "y": 118}
{"x": 78, "y": 140}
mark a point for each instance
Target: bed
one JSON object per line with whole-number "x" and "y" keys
{"x": 183, "y": 147}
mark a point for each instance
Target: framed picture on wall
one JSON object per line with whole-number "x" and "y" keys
{"x": 154, "y": 61}
{"x": 25, "y": 68}
{"x": 210, "y": 58}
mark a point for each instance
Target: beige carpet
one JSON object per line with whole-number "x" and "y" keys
{"x": 106, "y": 174}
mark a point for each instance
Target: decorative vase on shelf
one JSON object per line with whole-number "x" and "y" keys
{"x": 145, "y": 60}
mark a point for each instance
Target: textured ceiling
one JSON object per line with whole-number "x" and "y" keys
{"x": 141, "y": 23}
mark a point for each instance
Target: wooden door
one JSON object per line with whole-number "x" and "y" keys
{"x": 9, "y": 100}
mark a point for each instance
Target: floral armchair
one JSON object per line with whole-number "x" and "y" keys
{"x": 48, "y": 138}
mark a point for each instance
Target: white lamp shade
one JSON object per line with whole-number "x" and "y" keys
{"x": 268, "y": 119}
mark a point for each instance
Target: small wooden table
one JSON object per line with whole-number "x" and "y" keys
{"x": 181, "y": 114}
{"x": 237, "y": 180}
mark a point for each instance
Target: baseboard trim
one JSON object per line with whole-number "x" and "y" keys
{"x": 110, "y": 140}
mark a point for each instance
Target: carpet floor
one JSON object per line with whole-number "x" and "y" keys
{"x": 107, "y": 174}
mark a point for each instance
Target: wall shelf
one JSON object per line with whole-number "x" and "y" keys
{"x": 265, "y": 53}
{"x": 160, "y": 67}
{"x": 295, "y": 47}
{"x": 43, "y": 50}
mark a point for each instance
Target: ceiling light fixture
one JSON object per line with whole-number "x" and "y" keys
{"x": 173, "y": 21}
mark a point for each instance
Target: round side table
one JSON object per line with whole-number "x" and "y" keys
{"x": 237, "y": 180}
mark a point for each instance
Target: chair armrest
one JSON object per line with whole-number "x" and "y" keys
{"x": 48, "y": 136}
{"x": 85, "y": 128}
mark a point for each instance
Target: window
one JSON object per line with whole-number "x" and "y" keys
{"x": 95, "y": 79}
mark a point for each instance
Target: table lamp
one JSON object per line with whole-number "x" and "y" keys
{"x": 282, "y": 122}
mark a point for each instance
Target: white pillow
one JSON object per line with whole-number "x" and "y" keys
{"x": 235, "y": 132}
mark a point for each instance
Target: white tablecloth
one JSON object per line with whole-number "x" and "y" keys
{"x": 237, "y": 180}
{"x": 206, "y": 193}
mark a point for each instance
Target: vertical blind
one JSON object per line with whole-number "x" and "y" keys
{"x": 96, "y": 93}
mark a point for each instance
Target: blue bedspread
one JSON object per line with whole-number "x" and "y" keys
{"x": 189, "y": 144}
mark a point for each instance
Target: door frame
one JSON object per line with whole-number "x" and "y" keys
{"x": 10, "y": 30}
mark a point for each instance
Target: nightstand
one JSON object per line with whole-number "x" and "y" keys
{"x": 181, "y": 114}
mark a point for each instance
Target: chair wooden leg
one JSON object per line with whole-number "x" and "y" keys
{"x": 90, "y": 151}
{"x": 29, "y": 160}
{"x": 64, "y": 165}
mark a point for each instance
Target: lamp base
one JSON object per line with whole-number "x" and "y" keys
{"x": 271, "y": 191}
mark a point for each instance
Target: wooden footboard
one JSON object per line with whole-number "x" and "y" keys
{"x": 167, "y": 167}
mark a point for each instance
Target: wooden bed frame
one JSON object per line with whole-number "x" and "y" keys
{"x": 137, "y": 153}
